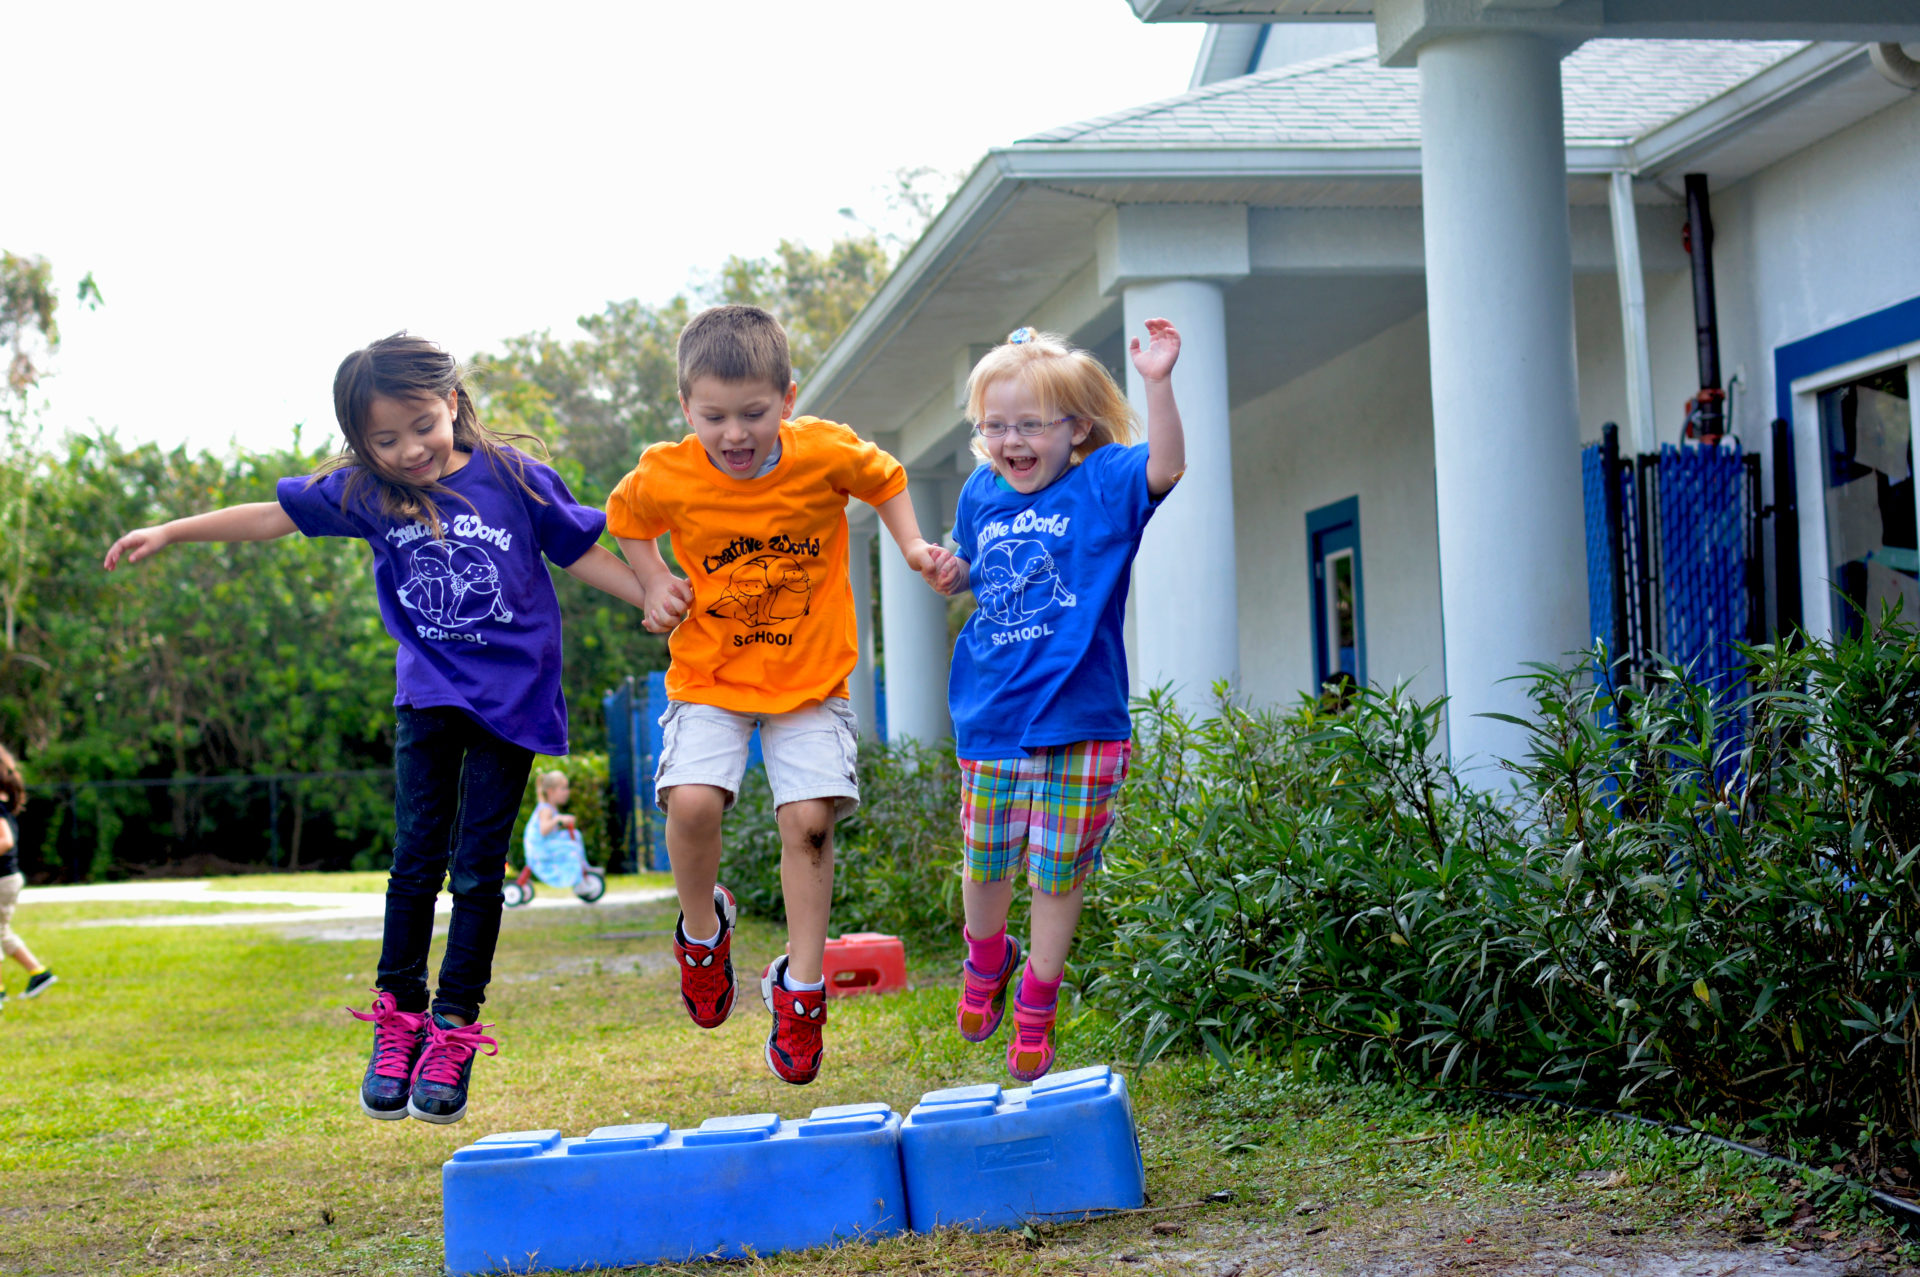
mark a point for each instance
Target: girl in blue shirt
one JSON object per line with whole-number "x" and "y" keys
{"x": 1046, "y": 534}
{"x": 461, "y": 524}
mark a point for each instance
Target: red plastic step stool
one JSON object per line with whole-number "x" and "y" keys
{"x": 864, "y": 962}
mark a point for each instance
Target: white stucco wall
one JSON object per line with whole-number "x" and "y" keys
{"x": 1823, "y": 237}
{"x": 1359, "y": 425}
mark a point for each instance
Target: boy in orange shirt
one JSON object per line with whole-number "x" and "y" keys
{"x": 755, "y": 506}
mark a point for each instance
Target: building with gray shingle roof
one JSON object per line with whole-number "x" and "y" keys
{"x": 1288, "y": 219}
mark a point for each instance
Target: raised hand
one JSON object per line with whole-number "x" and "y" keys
{"x": 136, "y": 545}
{"x": 667, "y": 604}
{"x": 1155, "y": 363}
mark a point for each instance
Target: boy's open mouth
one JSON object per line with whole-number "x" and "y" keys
{"x": 737, "y": 458}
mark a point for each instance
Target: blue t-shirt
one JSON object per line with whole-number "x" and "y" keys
{"x": 1042, "y": 661}
{"x": 474, "y": 611}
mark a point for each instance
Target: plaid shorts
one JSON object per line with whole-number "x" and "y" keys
{"x": 1051, "y": 811}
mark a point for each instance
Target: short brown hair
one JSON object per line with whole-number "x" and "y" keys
{"x": 734, "y": 343}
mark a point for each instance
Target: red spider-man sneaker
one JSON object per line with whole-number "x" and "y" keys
{"x": 398, "y": 1038}
{"x": 983, "y": 997}
{"x": 706, "y": 975}
{"x": 793, "y": 1045}
{"x": 1030, "y": 1050}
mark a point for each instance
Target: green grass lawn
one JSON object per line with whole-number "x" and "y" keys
{"x": 184, "y": 1102}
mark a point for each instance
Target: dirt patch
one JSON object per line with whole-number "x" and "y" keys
{"x": 1573, "y": 1240}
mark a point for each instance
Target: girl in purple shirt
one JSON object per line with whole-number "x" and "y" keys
{"x": 459, "y": 521}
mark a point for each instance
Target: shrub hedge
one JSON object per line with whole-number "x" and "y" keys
{"x": 1617, "y": 925}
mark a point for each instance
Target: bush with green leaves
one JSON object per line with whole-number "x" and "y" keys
{"x": 1618, "y": 926}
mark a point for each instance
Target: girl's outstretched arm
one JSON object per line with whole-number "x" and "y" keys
{"x": 255, "y": 521}
{"x": 1166, "y": 441}
{"x": 665, "y": 598}
{"x": 604, "y": 571}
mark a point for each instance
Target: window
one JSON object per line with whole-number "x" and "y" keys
{"x": 1335, "y": 579}
{"x": 1866, "y": 438}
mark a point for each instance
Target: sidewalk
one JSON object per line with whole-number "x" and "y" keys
{"x": 317, "y": 906}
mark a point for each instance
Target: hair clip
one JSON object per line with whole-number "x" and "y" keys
{"x": 1020, "y": 336}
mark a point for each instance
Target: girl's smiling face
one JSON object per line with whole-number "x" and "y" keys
{"x": 1027, "y": 463}
{"x": 412, "y": 439}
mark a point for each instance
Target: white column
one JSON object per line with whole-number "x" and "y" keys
{"x": 860, "y": 577}
{"x": 915, "y": 622}
{"x": 1505, "y": 405}
{"x": 1633, "y": 313}
{"x": 1186, "y": 596}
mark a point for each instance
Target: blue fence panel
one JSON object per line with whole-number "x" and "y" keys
{"x": 1600, "y": 565}
{"x": 1704, "y": 556}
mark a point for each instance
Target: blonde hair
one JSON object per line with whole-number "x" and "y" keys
{"x": 13, "y": 790}
{"x": 1068, "y": 380}
{"x": 546, "y": 783}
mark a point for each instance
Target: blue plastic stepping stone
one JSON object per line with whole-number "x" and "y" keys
{"x": 645, "y": 1194}
{"x": 984, "y": 1158}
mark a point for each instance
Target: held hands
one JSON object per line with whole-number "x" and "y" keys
{"x": 1155, "y": 363}
{"x": 141, "y": 543}
{"x": 936, "y": 566}
{"x": 666, "y": 604}
{"x": 946, "y": 572}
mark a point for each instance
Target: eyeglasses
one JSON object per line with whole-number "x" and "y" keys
{"x": 1025, "y": 429}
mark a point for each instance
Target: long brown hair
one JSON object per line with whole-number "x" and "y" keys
{"x": 13, "y": 790}
{"x": 406, "y": 367}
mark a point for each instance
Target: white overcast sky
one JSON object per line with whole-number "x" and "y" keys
{"x": 260, "y": 188}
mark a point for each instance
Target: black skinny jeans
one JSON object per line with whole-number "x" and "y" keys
{"x": 457, "y": 789}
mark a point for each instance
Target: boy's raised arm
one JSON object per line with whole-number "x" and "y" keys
{"x": 255, "y": 521}
{"x": 921, "y": 554}
{"x": 665, "y": 598}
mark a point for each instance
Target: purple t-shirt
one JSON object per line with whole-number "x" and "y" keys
{"x": 474, "y": 611}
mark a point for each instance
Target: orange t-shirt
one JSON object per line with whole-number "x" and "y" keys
{"x": 772, "y": 626}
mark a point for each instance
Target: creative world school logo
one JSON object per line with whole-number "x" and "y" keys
{"x": 1018, "y": 582}
{"x": 765, "y": 590}
{"x": 453, "y": 585}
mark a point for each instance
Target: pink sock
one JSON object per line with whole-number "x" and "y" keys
{"x": 987, "y": 956}
{"x": 1037, "y": 993}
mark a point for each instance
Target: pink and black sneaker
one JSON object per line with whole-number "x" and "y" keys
{"x": 794, "y": 1047}
{"x": 983, "y": 998}
{"x": 706, "y": 975}
{"x": 1030, "y": 1051}
{"x": 446, "y": 1066}
{"x": 398, "y": 1038}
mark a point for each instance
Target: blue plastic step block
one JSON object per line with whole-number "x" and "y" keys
{"x": 985, "y": 1158}
{"x": 643, "y": 1194}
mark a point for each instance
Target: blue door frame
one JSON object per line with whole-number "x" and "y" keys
{"x": 1334, "y": 570}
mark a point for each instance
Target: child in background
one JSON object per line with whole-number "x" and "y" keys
{"x": 459, "y": 521}
{"x": 13, "y": 798}
{"x": 1047, "y": 531}
{"x": 755, "y": 506}
{"x": 551, "y": 843}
